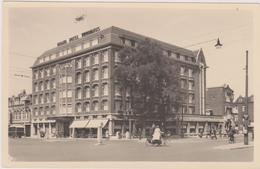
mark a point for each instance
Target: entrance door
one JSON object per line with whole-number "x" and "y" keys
{"x": 27, "y": 130}
{"x": 66, "y": 129}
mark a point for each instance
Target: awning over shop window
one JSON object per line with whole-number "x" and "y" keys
{"x": 79, "y": 124}
{"x": 95, "y": 123}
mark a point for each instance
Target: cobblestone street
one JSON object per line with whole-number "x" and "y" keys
{"x": 188, "y": 149}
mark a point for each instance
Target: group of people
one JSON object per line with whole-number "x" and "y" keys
{"x": 228, "y": 130}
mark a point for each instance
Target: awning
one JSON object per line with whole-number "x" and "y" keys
{"x": 17, "y": 125}
{"x": 79, "y": 124}
{"x": 95, "y": 123}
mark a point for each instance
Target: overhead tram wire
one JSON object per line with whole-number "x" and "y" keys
{"x": 23, "y": 55}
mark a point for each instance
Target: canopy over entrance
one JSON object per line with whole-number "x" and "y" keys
{"x": 79, "y": 123}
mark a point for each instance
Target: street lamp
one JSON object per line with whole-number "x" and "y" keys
{"x": 246, "y": 116}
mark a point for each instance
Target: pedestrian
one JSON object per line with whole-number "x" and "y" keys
{"x": 214, "y": 134}
{"x": 207, "y": 131}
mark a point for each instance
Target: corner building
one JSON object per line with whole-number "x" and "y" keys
{"x": 74, "y": 90}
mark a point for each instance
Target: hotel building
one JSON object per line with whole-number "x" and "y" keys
{"x": 74, "y": 90}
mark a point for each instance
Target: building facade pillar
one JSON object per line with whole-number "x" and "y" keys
{"x": 38, "y": 129}
{"x": 111, "y": 127}
{"x": 32, "y": 130}
{"x": 49, "y": 132}
{"x": 188, "y": 128}
{"x": 197, "y": 128}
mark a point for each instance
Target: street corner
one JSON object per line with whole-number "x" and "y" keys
{"x": 234, "y": 146}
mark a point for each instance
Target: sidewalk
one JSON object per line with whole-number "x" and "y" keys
{"x": 235, "y": 146}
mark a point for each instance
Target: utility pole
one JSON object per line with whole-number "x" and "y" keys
{"x": 246, "y": 116}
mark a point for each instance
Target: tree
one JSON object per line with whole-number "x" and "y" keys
{"x": 152, "y": 80}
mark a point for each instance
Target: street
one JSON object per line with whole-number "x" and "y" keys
{"x": 187, "y": 149}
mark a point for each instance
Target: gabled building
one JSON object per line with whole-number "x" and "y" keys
{"x": 240, "y": 106}
{"x": 19, "y": 114}
{"x": 74, "y": 89}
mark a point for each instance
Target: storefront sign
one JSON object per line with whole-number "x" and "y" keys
{"x": 73, "y": 38}
{"x": 90, "y": 31}
{"x": 62, "y": 43}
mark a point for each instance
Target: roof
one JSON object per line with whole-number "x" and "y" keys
{"x": 115, "y": 31}
{"x": 241, "y": 99}
{"x": 223, "y": 86}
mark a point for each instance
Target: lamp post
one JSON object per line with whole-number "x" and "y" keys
{"x": 246, "y": 116}
{"x": 218, "y": 45}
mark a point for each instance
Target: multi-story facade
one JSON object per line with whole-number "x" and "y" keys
{"x": 240, "y": 107}
{"x": 20, "y": 112}
{"x": 74, "y": 88}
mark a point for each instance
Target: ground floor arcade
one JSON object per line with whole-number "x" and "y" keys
{"x": 85, "y": 127}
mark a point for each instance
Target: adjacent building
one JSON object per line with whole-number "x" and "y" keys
{"x": 74, "y": 90}
{"x": 240, "y": 107}
{"x": 20, "y": 113}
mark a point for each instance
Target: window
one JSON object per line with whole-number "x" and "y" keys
{"x": 47, "y": 98}
{"x": 118, "y": 105}
{"x": 86, "y": 106}
{"x": 182, "y": 70}
{"x": 78, "y": 107}
{"x": 78, "y": 78}
{"x": 52, "y": 56}
{"x": 47, "y": 72}
{"x": 182, "y": 57}
{"x": 77, "y": 48}
{"x": 53, "y": 97}
{"x": 78, "y": 93}
{"x": 35, "y": 99}
{"x": 47, "y": 83}
{"x": 104, "y": 56}
{"x": 191, "y": 85}
{"x": 133, "y": 43}
{"x": 190, "y": 73}
{"x": 69, "y": 79}
{"x": 117, "y": 59}
{"x": 53, "y": 110}
{"x": 104, "y": 73}
{"x": 87, "y": 92}
{"x": 86, "y": 76}
{"x": 78, "y": 64}
{"x": 35, "y": 75}
{"x": 95, "y": 91}
{"x": 94, "y": 42}
{"x": 47, "y": 111}
{"x": 127, "y": 42}
{"x": 243, "y": 108}
{"x": 95, "y": 74}
{"x": 63, "y": 94}
{"x": 35, "y": 112}
{"x": 95, "y": 105}
{"x": 40, "y": 86}
{"x": 41, "y": 111}
{"x": 69, "y": 93}
{"x": 183, "y": 84}
{"x": 117, "y": 90}
{"x": 191, "y": 98}
{"x": 104, "y": 105}
{"x": 86, "y": 45}
{"x": 53, "y": 84}
{"x": 69, "y": 108}
{"x": 95, "y": 59}
{"x": 53, "y": 71}
{"x": 35, "y": 87}
{"x": 86, "y": 61}
{"x": 69, "y": 51}
{"x": 128, "y": 92}
{"x": 105, "y": 89}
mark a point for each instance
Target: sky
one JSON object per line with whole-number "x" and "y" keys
{"x": 35, "y": 30}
